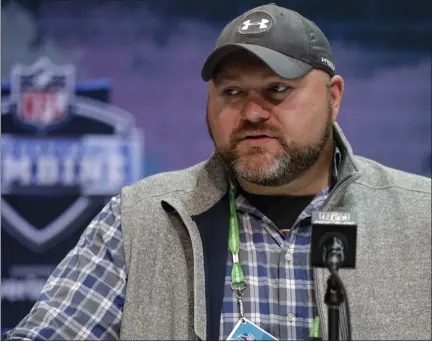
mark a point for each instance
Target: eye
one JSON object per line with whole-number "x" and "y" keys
{"x": 277, "y": 88}
{"x": 231, "y": 92}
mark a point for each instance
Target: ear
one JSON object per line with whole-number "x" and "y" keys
{"x": 336, "y": 91}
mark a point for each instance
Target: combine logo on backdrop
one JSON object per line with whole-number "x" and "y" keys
{"x": 62, "y": 154}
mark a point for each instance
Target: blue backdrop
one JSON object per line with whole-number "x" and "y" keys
{"x": 107, "y": 92}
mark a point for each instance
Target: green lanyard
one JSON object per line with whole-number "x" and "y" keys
{"x": 238, "y": 283}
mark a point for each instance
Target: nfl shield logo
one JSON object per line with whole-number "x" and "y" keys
{"x": 42, "y": 93}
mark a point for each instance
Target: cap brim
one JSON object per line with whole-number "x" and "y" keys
{"x": 284, "y": 66}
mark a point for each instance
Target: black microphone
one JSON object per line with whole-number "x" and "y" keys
{"x": 333, "y": 253}
{"x": 334, "y": 240}
{"x": 333, "y": 246}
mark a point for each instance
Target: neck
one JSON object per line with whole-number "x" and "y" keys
{"x": 310, "y": 182}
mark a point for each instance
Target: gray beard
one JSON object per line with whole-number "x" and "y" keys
{"x": 291, "y": 162}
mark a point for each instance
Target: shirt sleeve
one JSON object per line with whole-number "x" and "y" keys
{"x": 84, "y": 296}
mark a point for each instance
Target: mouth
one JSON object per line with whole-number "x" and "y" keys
{"x": 255, "y": 135}
{"x": 256, "y": 139}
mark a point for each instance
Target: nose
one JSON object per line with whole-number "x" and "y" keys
{"x": 255, "y": 112}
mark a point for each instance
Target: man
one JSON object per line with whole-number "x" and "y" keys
{"x": 189, "y": 254}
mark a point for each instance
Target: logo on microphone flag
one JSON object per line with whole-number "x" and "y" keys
{"x": 334, "y": 216}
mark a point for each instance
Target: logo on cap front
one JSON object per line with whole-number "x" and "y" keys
{"x": 254, "y": 23}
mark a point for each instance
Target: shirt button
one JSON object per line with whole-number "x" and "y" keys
{"x": 288, "y": 257}
{"x": 291, "y": 317}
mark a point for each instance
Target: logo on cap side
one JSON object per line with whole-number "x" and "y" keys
{"x": 326, "y": 61}
{"x": 254, "y": 23}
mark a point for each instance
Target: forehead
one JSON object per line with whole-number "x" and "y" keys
{"x": 240, "y": 63}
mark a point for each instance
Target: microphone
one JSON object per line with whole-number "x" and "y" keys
{"x": 333, "y": 246}
{"x": 333, "y": 240}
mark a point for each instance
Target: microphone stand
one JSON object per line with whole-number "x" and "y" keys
{"x": 333, "y": 298}
{"x": 334, "y": 257}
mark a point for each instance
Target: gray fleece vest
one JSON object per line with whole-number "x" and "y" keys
{"x": 389, "y": 292}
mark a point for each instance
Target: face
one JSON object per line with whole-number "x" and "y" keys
{"x": 266, "y": 129}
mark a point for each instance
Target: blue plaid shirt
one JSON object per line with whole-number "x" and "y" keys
{"x": 279, "y": 294}
{"x": 84, "y": 296}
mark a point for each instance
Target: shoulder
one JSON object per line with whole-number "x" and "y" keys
{"x": 377, "y": 176}
{"x": 161, "y": 184}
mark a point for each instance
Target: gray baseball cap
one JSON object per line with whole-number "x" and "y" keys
{"x": 288, "y": 43}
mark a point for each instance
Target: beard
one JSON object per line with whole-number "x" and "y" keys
{"x": 291, "y": 161}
